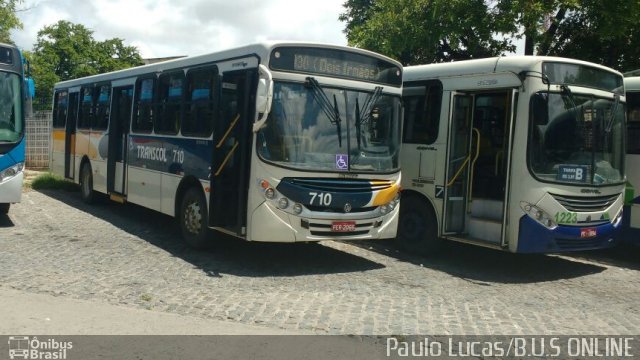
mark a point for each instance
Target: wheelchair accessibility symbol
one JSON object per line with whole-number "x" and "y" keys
{"x": 342, "y": 162}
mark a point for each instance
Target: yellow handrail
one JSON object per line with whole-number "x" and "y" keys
{"x": 459, "y": 171}
{"x": 473, "y": 164}
{"x": 226, "y": 159}
{"x": 466, "y": 161}
{"x": 231, "y": 126}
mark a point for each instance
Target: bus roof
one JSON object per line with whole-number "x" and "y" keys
{"x": 261, "y": 50}
{"x": 487, "y": 65}
{"x": 632, "y": 83}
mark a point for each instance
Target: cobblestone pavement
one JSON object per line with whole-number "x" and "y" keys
{"x": 122, "y": 254}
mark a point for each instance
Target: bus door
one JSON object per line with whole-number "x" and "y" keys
{"x": 478, "y": 165}
{"x": 232, "y": 143}
{"x": 457, "y": 171}
{"x": 70, "y": 136}
{"x": 118, "y": 134}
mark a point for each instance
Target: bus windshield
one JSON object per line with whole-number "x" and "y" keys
{"x": 350, "y": 130}
{"x": 576, "y": 138}
{"x": 10, "y": 108}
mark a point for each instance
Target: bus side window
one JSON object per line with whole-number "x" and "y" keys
{"x": 199, "y": 105}
{"x": 60, "y": 105}
{"x": 144, "y": 106}
{"x": 101, "y": 118}
{"x": 85, "y": 117}
{"x": 422, "y": 113}
{"x": 170, "y": 111}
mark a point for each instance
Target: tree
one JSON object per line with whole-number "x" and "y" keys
{"x": 8, "y": 19}
{"x": 424, "y": 31}
{"x": 66, "y": 51}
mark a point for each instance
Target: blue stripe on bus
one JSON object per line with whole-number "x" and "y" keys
{"x": 357, "y": 193}
{"x": 171, "y": 155}
{"x": 535, "y": 238}
{"x": 14, "y": 155}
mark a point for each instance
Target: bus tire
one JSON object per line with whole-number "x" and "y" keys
{"x": 418, "y": 227}
{"x": 193, "y": 218}
{"x": 4, "y": 208}
{"x": 86, "y": 184}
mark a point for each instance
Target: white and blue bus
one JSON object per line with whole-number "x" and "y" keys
{"x": 631, "y": 219}
{"x": 523, "y": 154}
{"x": 274, "y": 142}
{"x": 16, "y": 90}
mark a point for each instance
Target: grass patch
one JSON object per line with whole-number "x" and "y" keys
{"x": 49, "y": 181}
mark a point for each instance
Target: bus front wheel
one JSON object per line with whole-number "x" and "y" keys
{"x": 193, "y": 218}
{"x": 418, "y": 227}
{"x": 86, "y": 184}
{"x": 4, "y": 208}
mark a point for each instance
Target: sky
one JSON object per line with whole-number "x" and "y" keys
{"x": 160, "y": 28}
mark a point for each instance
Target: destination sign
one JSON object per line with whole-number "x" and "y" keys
{"x": 336, "y": 63}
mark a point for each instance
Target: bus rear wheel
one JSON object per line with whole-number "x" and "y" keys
{"x": 193, "y": 218}
{"x": 86, "y": 184}
{"x": 4, "y": 208}
{"x": 418, "y": 227}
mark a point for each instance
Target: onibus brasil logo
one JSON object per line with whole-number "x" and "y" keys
{"x": 25, "y": 347}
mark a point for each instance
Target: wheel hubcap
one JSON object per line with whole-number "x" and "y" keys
{"x": 193, "y": 218}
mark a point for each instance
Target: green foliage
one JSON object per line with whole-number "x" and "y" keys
{"x": 48, "y": 181}
{"x": 65, "y": 51}
{"x": 8, "y": 19}
{"x": 425, "y": 31}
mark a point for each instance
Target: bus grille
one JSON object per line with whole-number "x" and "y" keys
{"x": 586, "y": 204}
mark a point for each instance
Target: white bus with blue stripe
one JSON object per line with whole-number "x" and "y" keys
{"x": 275, "y": 142}
{"x": 631, "y": 219}
{"x": 16, "y": 91}
{"x": 523, "y": 154}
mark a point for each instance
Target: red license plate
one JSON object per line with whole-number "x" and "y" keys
{"x": 343, "y": 226}
{"x": 588, "y": 232}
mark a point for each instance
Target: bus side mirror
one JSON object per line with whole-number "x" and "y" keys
{"x": 264, "y": 97}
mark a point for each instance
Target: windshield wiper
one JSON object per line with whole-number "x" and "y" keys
{"x": 567, "y": 91}
{"x": 330, "y": 110}
{"x": 609, "y": 126}
{"x": 371, "y": 99}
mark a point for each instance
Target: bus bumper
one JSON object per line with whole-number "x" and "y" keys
{"x": 11, "y": 189}
{"x": 535, "y": 238}
{"x": 272, "y": 225}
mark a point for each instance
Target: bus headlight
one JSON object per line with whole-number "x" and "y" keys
{"x": 270, "y": 193}
{"x": 538, "y": 215}
{"x": 12, "y": 171}
{"x": 297, "y": 208}
{"x": 283, "y": 203}
{"x": 384, "y": 209}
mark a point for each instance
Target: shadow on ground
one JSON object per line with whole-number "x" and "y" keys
{"x": 226, "y": 255}
{"x": 484, "y": 266}
{"x": 624, "y": 255}
{"x": 5, "y": 221}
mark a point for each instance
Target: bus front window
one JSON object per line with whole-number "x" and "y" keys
{"x": 352, "y": 131}
{"x": 576, "y": 138}
{"x": 10, "y": 108}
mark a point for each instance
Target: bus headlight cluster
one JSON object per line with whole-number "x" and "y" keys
{"x": 10, "y": 172}
{"x": 279, "y": 200}
{"x": 538, "y": 215}
{"x": 387, "y": 208}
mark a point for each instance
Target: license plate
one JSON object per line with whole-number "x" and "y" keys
{"x": 588, "y": 232}
{"x": 343, "y": 226}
